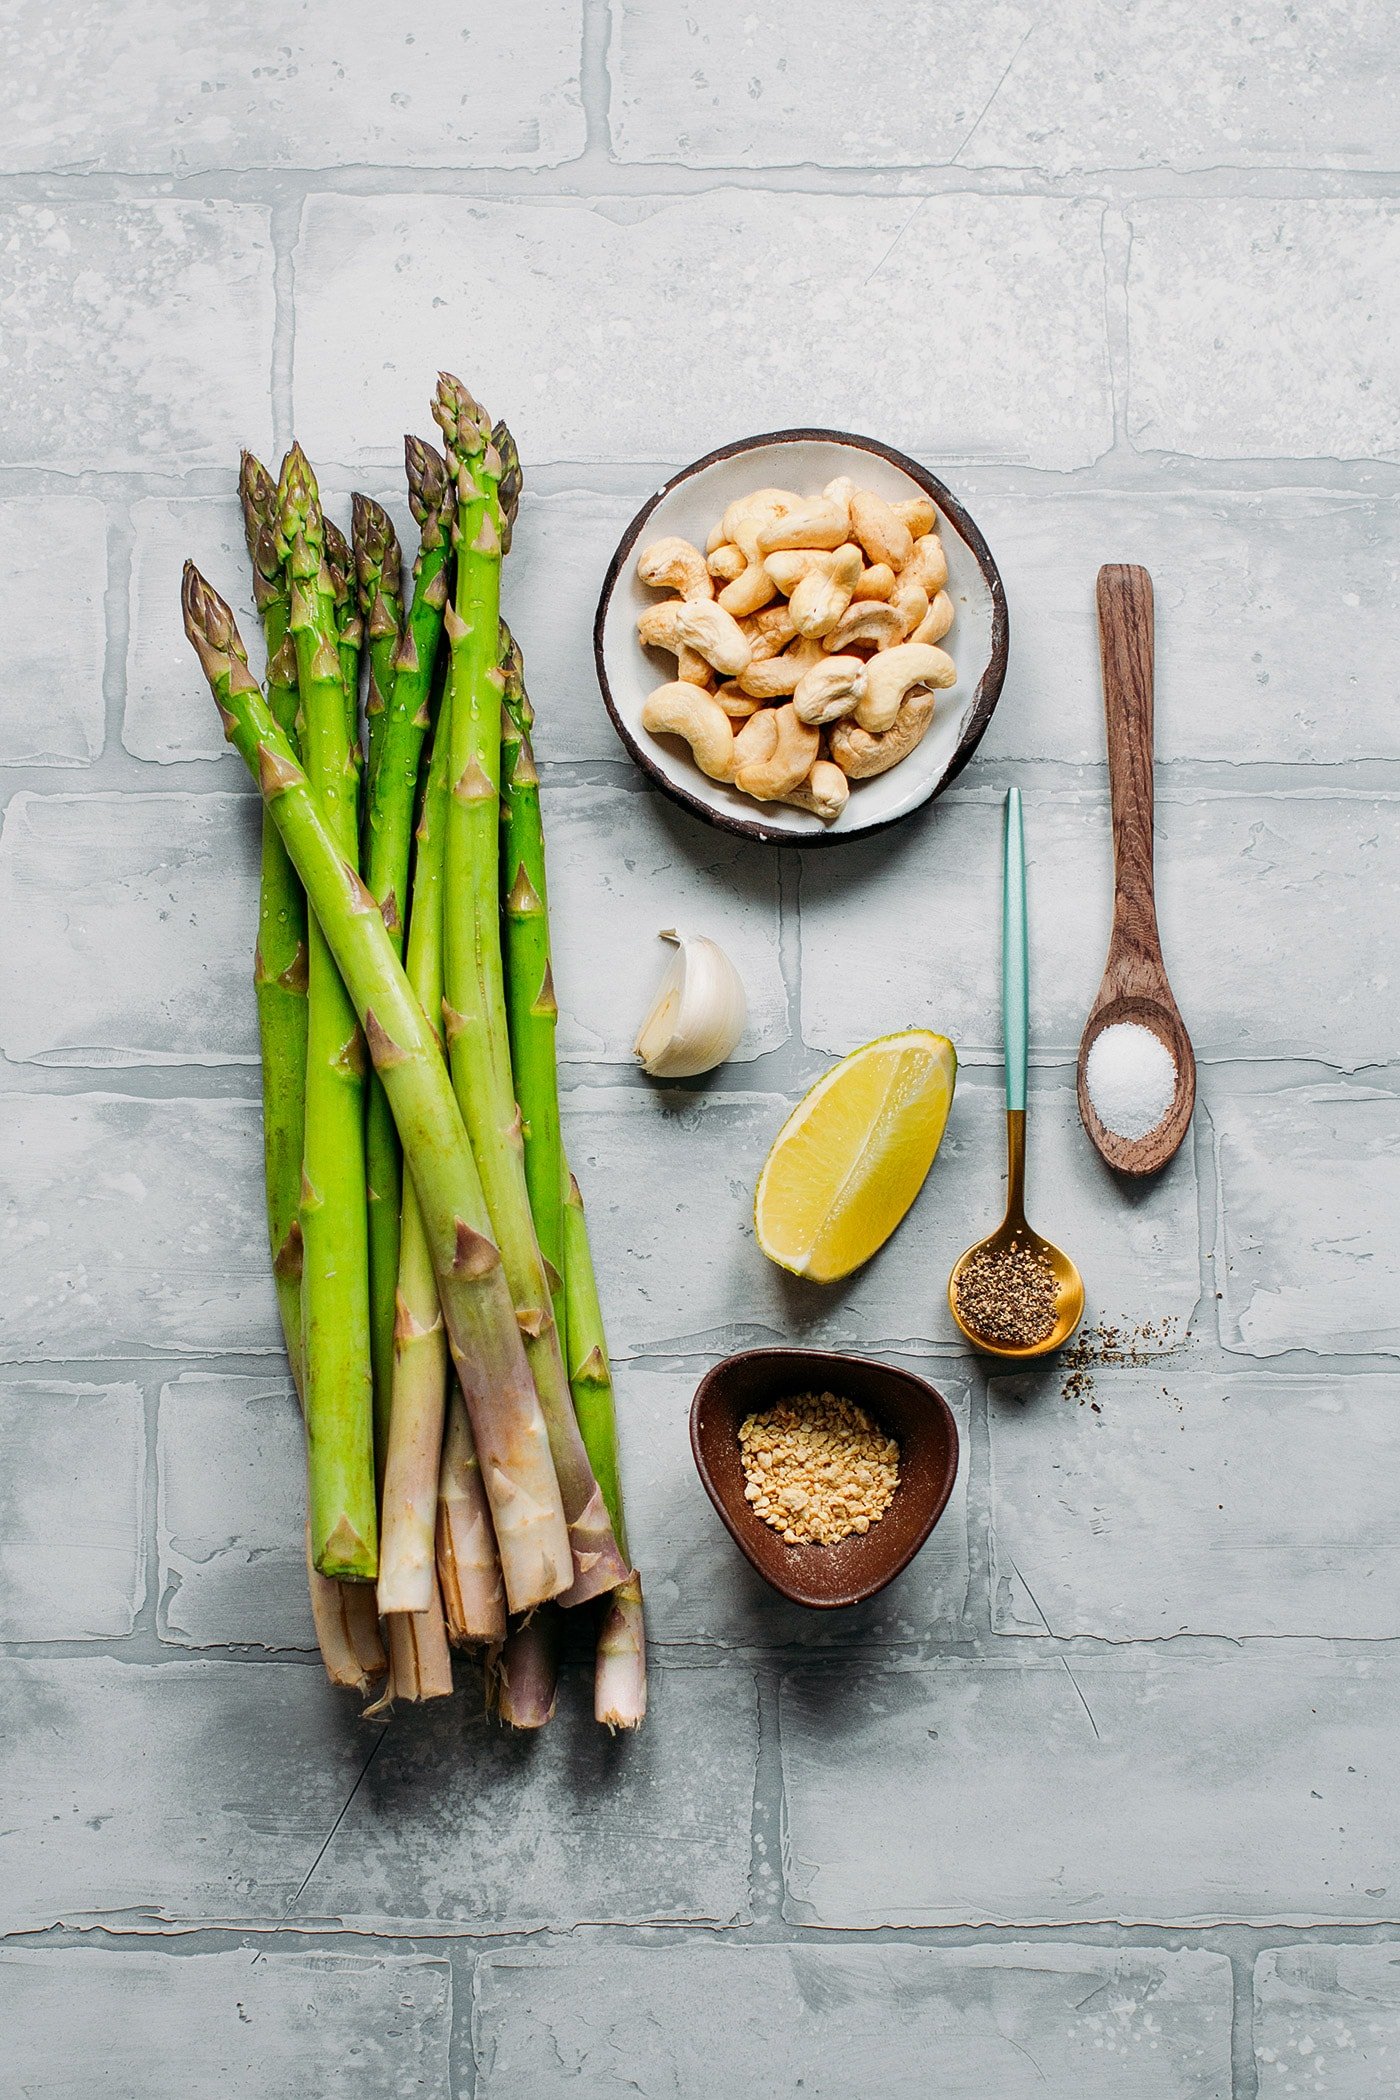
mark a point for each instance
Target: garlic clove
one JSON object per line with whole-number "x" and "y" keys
{"x": 698, "y": 1014}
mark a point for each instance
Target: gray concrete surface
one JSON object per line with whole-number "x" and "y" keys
{"x": 1099, "y": 1799}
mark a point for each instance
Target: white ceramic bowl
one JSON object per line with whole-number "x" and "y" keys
{"x": 690, "y": 504}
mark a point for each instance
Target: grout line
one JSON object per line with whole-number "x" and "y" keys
{"x": 1207, "y": 1321}
{"x": 1241, "y": 1942}
{"x": 116, "y": 609}
{"x": 148, "y": 1618}
{"x": 1152, "y": 474}
{"x": 1116, "y": 243}
{"x": 286, "y": 220}
{"x": 595, "y": 90}
{"x": 464, "y": 2065}
{"x": 980, "y": 1608}
{"x": 1243, "y": 2062}
{"x": 767, "y": 1875}
{"x": 595, "y": 172}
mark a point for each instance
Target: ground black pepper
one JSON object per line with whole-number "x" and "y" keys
{"x": 1009, "y": 1294}
{"x": 1135, "y": 1344}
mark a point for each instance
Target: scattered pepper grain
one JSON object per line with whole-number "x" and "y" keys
{"x": 1117, "y": 1342}
{"x": 818, "y": 1468}
{"x": 1009, "y": 1294}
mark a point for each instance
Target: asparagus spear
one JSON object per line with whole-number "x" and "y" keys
{"x": 474, "y": 1005}
{"x": 347, "y": 1629}
{"x": 482, "y": 1331}
{"x": 397, "y": 732}
{"x": 522, "y": 1673}
{"x": 512, "y": 480}
{"x": 620, "y": 1678}
{"x": 433, "y": 1493}
{"x": 531, "y": 1009}
{"x": 379, "y": 580}
{"x": 469, "y": 1570}
{"x": 280, "y": 964}
{"x": 420, "y": 1661}
{"x": 620, "y": 1674}
{"x": 420, "y": 1340}
{"x": 349, "y": 626}
{"x": 335, "y": 1292}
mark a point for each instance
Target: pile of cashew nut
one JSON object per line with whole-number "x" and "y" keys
{"x": 805, "y": 639}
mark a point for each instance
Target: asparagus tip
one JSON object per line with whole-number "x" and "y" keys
{"x": 209, "y": 621}
{"x": 378, "y": 562}
{"x": 341, "y": 563}
{"x": 299, "y": 514}
{"x": 255, "y": 485}
{"x": 512, "y": 479}
{"x": 464, "y": 423}
{"x": 426, "y": 470}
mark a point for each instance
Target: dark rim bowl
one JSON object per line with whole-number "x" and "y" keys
{"x": 625, "y": 672}
{"x": 912, "y": 1411}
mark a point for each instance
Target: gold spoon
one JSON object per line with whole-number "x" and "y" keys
{"x": 1013, "y": 1231}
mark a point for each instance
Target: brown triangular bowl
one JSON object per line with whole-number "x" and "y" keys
{"x": 909, "y": 1409}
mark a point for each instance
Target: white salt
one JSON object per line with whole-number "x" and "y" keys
{"x": 1132, "y": 1079}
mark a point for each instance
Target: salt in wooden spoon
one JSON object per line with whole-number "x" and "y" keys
{"x": 1134, "y": 986}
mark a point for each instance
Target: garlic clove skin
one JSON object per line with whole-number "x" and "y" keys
{"x": 698, "y": 1014}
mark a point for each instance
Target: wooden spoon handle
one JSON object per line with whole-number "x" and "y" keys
{"x": 1125, "y": 649}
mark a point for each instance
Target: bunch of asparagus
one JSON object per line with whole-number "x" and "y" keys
{"x": 407, "y": 1016}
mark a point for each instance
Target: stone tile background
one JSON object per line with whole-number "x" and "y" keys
{"x": 1099, "y": 1799}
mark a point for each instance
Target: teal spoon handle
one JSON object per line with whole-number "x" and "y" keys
{"x": 1015, "y": 993}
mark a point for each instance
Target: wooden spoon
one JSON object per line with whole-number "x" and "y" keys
{"x": 1134, "y": 986}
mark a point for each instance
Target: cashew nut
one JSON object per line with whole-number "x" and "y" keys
{"x": 657, "y": 624}
{"x": 918, "y": 513}
{"x": 737, "y": 704}
{"x": 726, "y": 562}
{"x": 884, "y": 536}
{"x": 658, "y": 627}
{"x": 819, "y": 524}
{"x": 829, "y": 690}
{"x": 825, "y": 791}
{"x": 758, "y": 509}
{"x": 937, "y": 620}
{"x": 824, "y": 593}
{"x": 769, "y": 631}
{"x": 684, "y": 711}
{"x": 927, "y": 565}
{"x": 701, "y": 625}
{"x": 774, "y": 677}
{"x": 755, "y": 587}
{"x": 865, "y": 620}
{"x": 910, "y": 601}
{"x": 756, "y": 742}
{"x": 861, "y": 755}
{"x": 890, "y": 674}
{"x": 794, "y": 753}
{"x": 674, "y": 565}
{"x": 741, "y": 524}
{"x": 787, "y": 568}
{"x": 875, "y": 582}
